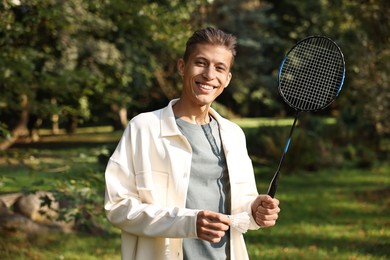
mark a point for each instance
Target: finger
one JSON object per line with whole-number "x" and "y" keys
{"x": 214, "y": 224}
{"x": 266, "y": 217}
{"x": 265, "y": 201}
{"x": 208, "y": 228}
{"x": 213, "y": 221}
{"x": 260, "y": 199}
{"x": 216, "y": 220}
{"x": 267, "y": 211}
{"x": 210, "y": 235}
{"x": 266, "y": 220}
{"x": 209, "y": 214}
{"x": 265, "y": 223}
{"x": 273, "y": 203}
{"x": 265, "y": 198}
{"x": 224, "y": 219}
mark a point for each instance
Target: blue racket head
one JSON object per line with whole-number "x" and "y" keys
{"x": 312, "y": 74}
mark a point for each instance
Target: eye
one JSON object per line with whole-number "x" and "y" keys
{"x": 200, "y": 63}
{"x": 221, "y": 68}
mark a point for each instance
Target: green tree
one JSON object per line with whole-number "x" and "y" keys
{"x": 149, "y": 36}
{"x": 74, "y": 61}
{"x": 267, "y": 29}
{"x": 366, "y": 35}
{"x": 42, "y": 64}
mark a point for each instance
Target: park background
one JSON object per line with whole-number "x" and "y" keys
{"x": 72, "y": 73}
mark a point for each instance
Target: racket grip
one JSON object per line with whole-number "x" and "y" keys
{"x": 273, "y": 185}
{"x": 272, "y": 189}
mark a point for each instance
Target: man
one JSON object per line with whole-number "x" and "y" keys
{"x": 178, "y": 173}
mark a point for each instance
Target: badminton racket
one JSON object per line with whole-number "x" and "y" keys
{"x": 310, "y": 77}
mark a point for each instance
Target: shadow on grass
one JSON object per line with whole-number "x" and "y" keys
{"x": 60, "y": 246}
{"x": 72, "y": 140}
{"x": 334, "y": 214}
{"x": 372, "y": 248}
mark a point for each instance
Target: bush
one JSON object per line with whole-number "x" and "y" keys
{"x": 81, "y": 202}
{"x": 315, "y": 144}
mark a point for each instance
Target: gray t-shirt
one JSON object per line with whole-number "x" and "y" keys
{"x": 209, "y": 186}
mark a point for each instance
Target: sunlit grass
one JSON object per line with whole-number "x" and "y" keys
{"x": 39, "y": 168}
{"x": 332, "y": 214}
{"x": 59, "y": 246}
{"x": 80, "y": 130}
{"x": 257, "y": 122}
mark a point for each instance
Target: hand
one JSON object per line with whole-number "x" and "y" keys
{"x": 211, "y": 226}
{"x": 265, "y": 210}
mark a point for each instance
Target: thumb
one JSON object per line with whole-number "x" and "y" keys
{"x": 260, "y": 199}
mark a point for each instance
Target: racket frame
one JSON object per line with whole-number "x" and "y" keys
{"x": 274, "y": 182}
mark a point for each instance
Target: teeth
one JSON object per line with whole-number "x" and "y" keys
{"x": 206, "y": 86}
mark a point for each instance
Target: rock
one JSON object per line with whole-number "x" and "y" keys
{"x": 19, "y": 223}
{"x": 4, "y": 210}
{"x": 9, "y": 199}
{"x": 32, "y": 207}
{"x": 27, "y": 214}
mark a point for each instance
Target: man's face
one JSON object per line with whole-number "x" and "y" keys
{"x": 205, "y": 74}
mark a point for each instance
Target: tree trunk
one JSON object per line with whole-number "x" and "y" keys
{"x": 121, "y": 121}
{"x": 167, "y": 88}
{"x": 55, "y": 119}
{"x": 21, "y": 128}
{"x": 72, "y": 125}
{"x": 123, "y": 117}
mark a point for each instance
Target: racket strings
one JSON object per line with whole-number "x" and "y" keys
{"x": 312, "y": 93}
{"x": 312, "y": 74}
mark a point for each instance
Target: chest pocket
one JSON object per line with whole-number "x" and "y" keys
{"x": 153, "y": 187}
{"x": 242, "y": 183}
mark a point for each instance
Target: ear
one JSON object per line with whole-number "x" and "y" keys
{"x": 180, "y": 67}
{"x": 228, "y": 79}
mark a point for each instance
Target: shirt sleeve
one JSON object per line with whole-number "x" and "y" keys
{"x": 131, "y": 208}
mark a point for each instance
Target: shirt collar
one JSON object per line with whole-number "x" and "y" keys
{"x": 168, "y": 122}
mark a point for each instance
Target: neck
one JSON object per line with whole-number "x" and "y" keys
{"x": 198, "y": 115}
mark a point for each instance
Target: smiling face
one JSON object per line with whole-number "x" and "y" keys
{"x": 205, "y": 74}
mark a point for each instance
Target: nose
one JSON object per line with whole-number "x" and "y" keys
{"x": 209, "y": 73}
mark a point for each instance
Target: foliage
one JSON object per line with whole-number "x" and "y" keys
{"x": 78, "y": 59}
{"x": 81, "y": 202}
{"x": 368, "y": 56}
{"x": 74, "y": 176}
{"x": 316, "y": 143}
{"x": 42, "y": 60}
{"x": 267, "y": 29}
{"x": 83, "y": 61}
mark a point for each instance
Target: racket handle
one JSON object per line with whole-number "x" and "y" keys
{"x": 274, "y": 183}
{"x": 273, "y": 186}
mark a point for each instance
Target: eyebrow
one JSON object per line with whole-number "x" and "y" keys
{"x": 222, "y": 64}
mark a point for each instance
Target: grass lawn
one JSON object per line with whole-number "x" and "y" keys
{"x": 60, "y": 246}
{"x": 335, "y": 214}
{"x": 332, "y": 214}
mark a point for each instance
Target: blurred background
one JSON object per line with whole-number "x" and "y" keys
{"x": 72, "y": 73}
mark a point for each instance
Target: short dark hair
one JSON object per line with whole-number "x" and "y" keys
{"x": 212, "y": 36}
